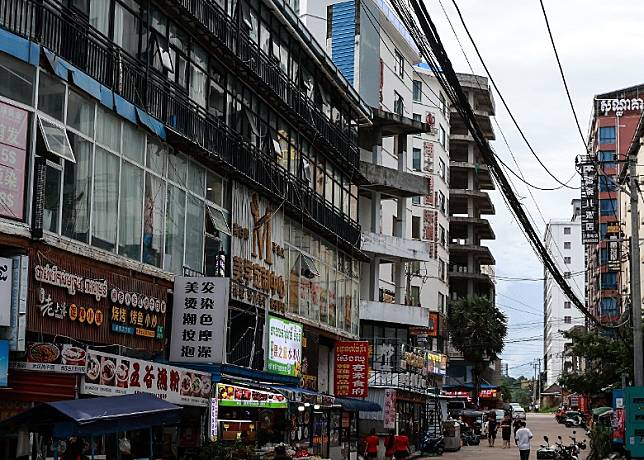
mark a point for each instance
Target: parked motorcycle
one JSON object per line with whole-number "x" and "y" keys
{"x": 432, "y": 445}
{"x": 469, "y": 436}
{"x": 547, "y": 452}
{"x": 576, "y": 421}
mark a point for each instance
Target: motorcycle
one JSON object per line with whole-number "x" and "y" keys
{"x": 469, "y": 436}
{"x": 547, "y": 452}
{"x": 575, "y": 420}
{"x": 431, "y": 444}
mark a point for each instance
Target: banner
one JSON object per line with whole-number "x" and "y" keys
{"x": 113, "y": 375}
{"x": 52, "y": 357}
{"x": 284, "y": 347}
{"x": 14, "y": 124}
{"x": 236, "y": 396}
{"x": 199, "y": 319}
{"x": 589, "y": 202}
{"x": 352, "y": 369}
{"x": 389, "y": 416}
{"x": 4, "y": 362}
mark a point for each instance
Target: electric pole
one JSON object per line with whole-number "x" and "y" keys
{"x": 636, "y": 288}
{"x": 538, "y": 401}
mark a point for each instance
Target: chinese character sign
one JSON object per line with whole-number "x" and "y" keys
{"x": 199, "y": 319}
{"x": 389, "y": 411}
{"x": 13, "y": 152}
{"x": 113, "y": 375}
{"x": 351, "y": 369}
{"x": 284, "y": 347}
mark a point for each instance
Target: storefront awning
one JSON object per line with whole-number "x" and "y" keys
{"x": 84, "y": 417}
{"x": 358, "y": 405}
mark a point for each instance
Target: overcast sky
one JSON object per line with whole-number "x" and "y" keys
{"x": 599, "y": 45}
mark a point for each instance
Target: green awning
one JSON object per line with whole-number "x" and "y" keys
{"x": 601, "y": 410}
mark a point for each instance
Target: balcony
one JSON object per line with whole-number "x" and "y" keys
{"x": 371, "y": 310}
{"x": 459, "y": 171}
{"x": 393, "y": 183}
{"x": 459, "y": 272}
{"x": 189, "y": 127}
{"x": 458, "y": 227}
{"x": 394, "y": 248}
{"x": 459, "y": 253}
{"x": 459, "y": 197}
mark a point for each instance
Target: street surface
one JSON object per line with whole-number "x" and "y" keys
{"x": 539, "y": 424}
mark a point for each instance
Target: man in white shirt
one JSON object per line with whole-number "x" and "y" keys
{"x": 522, "y": 438}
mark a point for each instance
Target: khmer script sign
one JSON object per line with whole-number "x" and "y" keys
{"x": 619, "y": 106}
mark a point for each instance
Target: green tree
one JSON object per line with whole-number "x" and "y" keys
{"x": 477, "y": 329}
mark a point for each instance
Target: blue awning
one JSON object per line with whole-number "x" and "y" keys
{"x": 84, "y": 417}
{"x": 358, "y": 405}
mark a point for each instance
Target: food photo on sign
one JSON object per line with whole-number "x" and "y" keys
{"x": 53, "y": 357}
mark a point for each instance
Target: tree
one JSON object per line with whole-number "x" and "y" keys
{"x": 477, "y": 329}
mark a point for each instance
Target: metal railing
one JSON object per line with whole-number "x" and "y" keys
{"x": 64, "y": 32}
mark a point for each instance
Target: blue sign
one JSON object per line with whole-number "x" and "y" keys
{"x": 4, "y": 362}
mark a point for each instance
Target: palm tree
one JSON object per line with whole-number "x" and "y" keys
{"x": 477, "y": 329}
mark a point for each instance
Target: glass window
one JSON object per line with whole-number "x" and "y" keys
{"x": 105, "y": 208}
{"x": 108, "y": 130}
{"x": 567, "y": 230}
{"x": 133, "y": 143}
{"x": 609, "y": 280}
{"x": 216, "y": 94}
{"x": 418, "y": 91}
{"x": 51, "y": 96}
{"x": 567, "y": 305}
{"x": 153, "y": 221}
{"x": 607, "y": 158}
{"x": 126, "y": 30}
{"x": 175, "y": 219}
{"x": 567, "y": 260}
{"x": 194, "y": 233}
{"x": 415, "y": 161}
{"x": 198, "y": 82}
{"x": 99, "y": 15}
{"x": 607, "y": 135}
{"x": 56, "y": 140}
{"x": 567, "y": 319}
{"x": 399, "y": 64}
{"x": 80, "y": 113}
{"x": 441, "y": 168}
{"x": 608, "y": 207}
{"x": 177, "y": 166}
{"x": 417, "y": 117}
{"x": 415, "y": 227}
{"x": 157, "y": 154}
{"x": 131, "y": 211}
{"x": 16, "y": 79}
{"x": 51, "y": 207}
{"x": 415, "y": 200}
{"x": 214, "y": 188}
{"x": 442, "y": 137}
{"x": 567, "y": 244}
{"x": 77, "y": 191}
{"x": 442, "y": 104}
{"x": 399, "y": 104}
{"x": 196, "y": 176}
{"x": 159, "y": 22}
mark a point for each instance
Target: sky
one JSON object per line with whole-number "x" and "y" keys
{"x": 599, "y": 47}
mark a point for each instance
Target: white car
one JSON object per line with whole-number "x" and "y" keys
{"x": 518, "y": 413}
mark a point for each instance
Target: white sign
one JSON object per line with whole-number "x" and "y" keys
{"x": 6, "y": 278}
{"x": 214, "y": 417}
{"x": 284, "y": 347}
{"x": 199, "y": 319}
{"x": 389, "y": 416}
{"x": 47, "y": 367}
{"x": 619, "y": 106}
{"x": 113, "y": 375}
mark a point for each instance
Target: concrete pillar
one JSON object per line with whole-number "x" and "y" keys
{"x": 376, "y": 214}
{"x": 374, "y": 279}
{"x": 400, "y": 282}
{"x": 376, "y": 220}
{"x": 401, "y": 223}
{"x": 376, "y": 150}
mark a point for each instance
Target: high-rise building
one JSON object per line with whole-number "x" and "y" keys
{"x": 562, "y": 240}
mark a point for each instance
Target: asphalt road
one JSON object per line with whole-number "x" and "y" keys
{"x": 539, "y": 424}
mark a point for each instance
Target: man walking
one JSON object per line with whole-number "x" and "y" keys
{"x": 522, "y": 438}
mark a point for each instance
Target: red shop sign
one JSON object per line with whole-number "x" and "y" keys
{"x": 352, "y": 369}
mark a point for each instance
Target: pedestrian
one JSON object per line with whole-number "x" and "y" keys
{"x": 516, "y": 425}
{"x": 522, "y": 437}
{"x": 280, "y": 453}
{"x": 491, "y": 428}
{"x": 401, "y": 449}
{"x": 390, "y": 445}
{"x": 371, "y": 448}
{"x": 506, "y": 430}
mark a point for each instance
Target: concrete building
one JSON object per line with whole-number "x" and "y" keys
{"x": 471, "y": 263}
{"x": 562, "y": 239}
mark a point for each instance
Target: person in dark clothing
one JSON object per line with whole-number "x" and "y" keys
{"x": 491, "y": 428}
{"x": 515, "y": 426}
{"x": 280, "y": 453}
{"x": 506, "y": 430}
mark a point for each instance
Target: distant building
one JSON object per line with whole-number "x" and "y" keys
{"x": 563, "y": 241}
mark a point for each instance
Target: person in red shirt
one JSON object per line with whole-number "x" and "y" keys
{"x": 371, "y": 450}
{"x": 401, "y": 449}
{"x": 390, "y": 445}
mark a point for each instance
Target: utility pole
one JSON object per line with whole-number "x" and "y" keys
{"x": 534, "y": 384}
{"x": 636, "y": 288}
{"x": 538, "y": 401}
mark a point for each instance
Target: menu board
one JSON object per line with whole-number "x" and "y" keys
{"x": 236, "y": 396}
{"x": 52, "y": 357}
{"x": 113, "y": 375}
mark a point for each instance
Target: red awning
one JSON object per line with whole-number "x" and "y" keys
{"x": 39, "y": 386}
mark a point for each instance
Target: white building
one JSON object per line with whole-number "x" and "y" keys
{"x": 563, "y": 241}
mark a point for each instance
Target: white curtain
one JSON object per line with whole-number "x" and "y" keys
{"x": 99, "y": 15}
{"x": 106, "y": 194}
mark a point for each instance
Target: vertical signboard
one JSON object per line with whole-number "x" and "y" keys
{"x": 199, "y": 319}
{"x": 214, "y": 418}
{"x": 389, "y": 416}
{"x": 4, "y": 362}
{"x": 6, "y": 285}
{"x": 352, "y": 369}
{"x": 613, "y": 233}
{"x": 589, "y": 202}
{"x": 13, "y": 154}
{"x": 284, "y": 347}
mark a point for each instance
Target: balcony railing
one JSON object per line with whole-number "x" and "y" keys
{"x": 60, "y": 30}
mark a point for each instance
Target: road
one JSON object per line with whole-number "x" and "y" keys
{"x": 539, "y": 424}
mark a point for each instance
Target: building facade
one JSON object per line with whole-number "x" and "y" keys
{"x": 151, "y": 140}
{"x": 562, "y": 239}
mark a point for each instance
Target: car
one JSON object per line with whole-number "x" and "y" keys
{"x": 518, "y": 413}
{"x": 500, "y": 413}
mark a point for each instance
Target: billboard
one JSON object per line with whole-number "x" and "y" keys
{"x": 284, "y": 347}
{"x": 352, "y": 369}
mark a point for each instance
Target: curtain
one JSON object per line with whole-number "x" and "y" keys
{"x": 131, "y": 211}
{"x": 174, "y": 229}
{"x": 198, "y": 85}
{"x": 153, "y": 220}
{"x": 108, "y": 130}
{"x": 194, "y": 233}
{"x": 106, "y": 194}
{"x": 99, "y": 15}
{"x": 77, "y": 191}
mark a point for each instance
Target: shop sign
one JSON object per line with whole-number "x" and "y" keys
{"x": 389, "y": 415}
{"x": 284, "y": 347}
{"x": 113, "y": 375}
{"x": 433, "y": 324}
{"x": 135, "y": 314}
{"x": 310, "y": 360}
{"x": 4, "y": 362}
{"x": 70, "y": 281}
{"x": 13, "y": 154}
{"x": 487, "y": 393}
{"x": 6, "y": 280}
{"x": 413, "y": 360}
{"x": 257, "y": 248}
{"x": 436, "y": 364}
{"x": 613, "y": 233}
{"x": 236, "y": 396}
{"x": 86, "y": 315}
{"x": 53, "y": 357}
{"x": 352, "y": 369}
{"x": 619, "y": 106}
{"x": 589, "y": 201}
{"x": 214, "y": 418}
{"x": 199, "y": 319}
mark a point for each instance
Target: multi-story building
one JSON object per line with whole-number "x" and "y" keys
{"x": 605, "y": 210}
{"x": 404, "y": 206}
{"x": 470, "y": 262}
{"x": 562, "y": 239}
{"x": 143, "y": 140}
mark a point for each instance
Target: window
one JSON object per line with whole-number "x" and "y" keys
{"x": 608, "y": 280}
{"x": 607, "y": 184}
{"x": 51, "y": 96}
{"x": 567, "y": 260}
{"x": 174, "y": 229}
{"x": 441, "y": 269}
{"x": 608, "y": 207}
{"x": 442, "y": 205}
{"x": 399, "y": 65}
{"x": 567, "y": 319}
{"x": 80, "y": 114}
{"x": 442, "y": 137}
{"x": 415, "y": 227}
{"x": 414, "y": 295}
{"x": 441, "y": 302}
{"x": 603, "y": 256}
{"x": 567, "y": 244}
{"x": 399, "y": 104}
{"x": 609, "y": 306}
{"x": 131, "y": 210}
{"x": 567, "y": 305}
{"x": 418, "y": 91}
{"x": 441, "y": 168}
{"x": 106, "y": 199}
{"x": 56, "y": 140}
{"x": 442, "y": 236}
{"x": 417, "y": 117}
{"x": 17, "y": 81}
{"x": 606, "y": 158}
{"x": 567, "y": 230}
{"x": 51, "y": 206}
{"x": 416, "y": 160}
{"x": 414, "y": 267}
{"x": 153, "y": 220}
{"x": 607, "y": 135}
{"x": 603, "y": 230}
{"x": 415, "y": 200}
{"x": 567, "y": 275}
{"x": 443, "y": 105}
{"x": 77, "y": 191}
